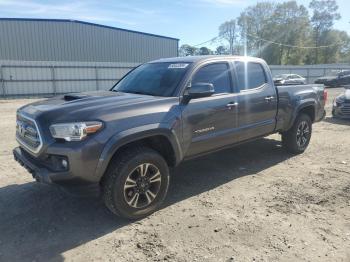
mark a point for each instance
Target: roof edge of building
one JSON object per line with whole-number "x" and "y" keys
{"x": 86, "y": 23}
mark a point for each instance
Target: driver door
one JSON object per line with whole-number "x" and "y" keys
{"x": 209, "y": 122}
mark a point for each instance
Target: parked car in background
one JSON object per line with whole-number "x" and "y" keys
{"x": 344, "y": 81}
{"x": 336, "y": 79}
{"x": 289, "y": 79}
{"x": 341, "y": 105}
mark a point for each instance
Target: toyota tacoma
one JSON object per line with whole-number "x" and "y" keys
{"x": 163, "y": 112}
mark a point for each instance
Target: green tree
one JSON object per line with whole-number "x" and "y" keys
{"x": 339, "y": 47}
{"x": 204, "y": 51}
{"x": 187, "y": 50}
{"x": 221, "y": 50}
{"x": 282, "y": 32}
{"x": 291, "y": 27}
{"x": 325, "y": 13}
{"x": 227, "y": 31}
{"x": 275, "y": 31}
{"x": 253, "y": 25}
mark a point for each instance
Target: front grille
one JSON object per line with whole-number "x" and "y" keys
{"x": 27, "y": 133}
{"x": 345, "y": 109}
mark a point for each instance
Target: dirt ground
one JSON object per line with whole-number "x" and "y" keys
{"x": 250, "y": 203}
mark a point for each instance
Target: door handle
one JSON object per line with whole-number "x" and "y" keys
{"x": 232, "y": 104}
{"x": 269, "y": 98}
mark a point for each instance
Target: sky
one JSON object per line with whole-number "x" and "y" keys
{"x": 192, "y": 21}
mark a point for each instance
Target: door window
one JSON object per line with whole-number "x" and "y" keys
{"x": 216, "y": 74}
{"x": 250, "y": 75}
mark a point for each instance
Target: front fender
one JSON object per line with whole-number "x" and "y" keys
{"x": 131, "y": 135}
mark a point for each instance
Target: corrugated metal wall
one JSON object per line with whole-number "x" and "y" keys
{"x": 47, "y": 78}
{"x": 65, "y": 40}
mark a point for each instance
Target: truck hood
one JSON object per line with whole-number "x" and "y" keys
{"x": 87, "y": 105}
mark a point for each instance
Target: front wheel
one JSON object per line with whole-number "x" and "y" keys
{"x": 136, "y": 183}
{"x": 297, "y": 138}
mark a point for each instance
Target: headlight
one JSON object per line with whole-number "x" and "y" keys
{"x": 74, "y": 131}
{"x": 340, "y": 99}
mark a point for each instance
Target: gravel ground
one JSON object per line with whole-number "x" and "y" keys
{"x": 250, "y": 203}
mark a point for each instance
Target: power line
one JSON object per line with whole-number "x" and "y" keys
{"x": 208, "y": 41}
{"x": 273, "y": 42}
{"x": 294, "y": 46}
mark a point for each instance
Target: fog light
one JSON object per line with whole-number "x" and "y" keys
{"x": 64, "y": 163}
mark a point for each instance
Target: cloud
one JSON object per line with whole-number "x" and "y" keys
{"x": 224, "y": 2}
{"x": 30, "y": 7}
{"x": 88, "y": 10}
{"x": 212, "y": 3}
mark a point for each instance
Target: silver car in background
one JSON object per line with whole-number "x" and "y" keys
{"x": 289, "y": 79}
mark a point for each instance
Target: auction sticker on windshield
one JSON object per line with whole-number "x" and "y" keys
{"x": 178, "y": 65}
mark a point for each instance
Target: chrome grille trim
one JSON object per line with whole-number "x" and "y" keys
{"x": 31, "y": 131}
{"x": 345, "y": 109}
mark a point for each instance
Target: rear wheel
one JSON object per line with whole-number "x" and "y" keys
{"x": 297, "y": 138}
{"x": 136, "y": 183}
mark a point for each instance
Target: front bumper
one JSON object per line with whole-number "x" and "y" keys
{"x": 39, "y": 172}
{"x": 340, "y": 112}
{"x": 337, "y": 114}
{"x": 81, "y": 169}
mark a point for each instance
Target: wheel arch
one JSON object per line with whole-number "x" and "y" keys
{"x": 307, "y": 107}
{"x": 309, "y": 110}
{"x": 158, "y": 137}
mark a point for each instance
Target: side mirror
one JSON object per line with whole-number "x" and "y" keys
{"x": 199, "y": 90}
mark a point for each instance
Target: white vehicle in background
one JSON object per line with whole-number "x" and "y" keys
{"x": 289, "y": 79}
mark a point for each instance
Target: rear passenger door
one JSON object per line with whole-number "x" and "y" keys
{"x": 257, "y": 100}
{"x": 208, "y": 122}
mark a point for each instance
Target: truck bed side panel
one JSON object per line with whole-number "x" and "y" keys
{"x": 292, "y": 99}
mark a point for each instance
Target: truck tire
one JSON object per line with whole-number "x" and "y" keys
{"x": 136, "y": 183}
{"x": 297, "y": 138}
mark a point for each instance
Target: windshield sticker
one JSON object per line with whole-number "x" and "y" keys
{"x": 177, "y": 66}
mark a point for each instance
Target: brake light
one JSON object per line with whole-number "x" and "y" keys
{"x": 325, "y": 95}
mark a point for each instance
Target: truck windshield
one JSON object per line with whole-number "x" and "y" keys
{"x": 156, "y": 79}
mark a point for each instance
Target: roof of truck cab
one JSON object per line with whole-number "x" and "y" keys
{"x": 196, "y": 59}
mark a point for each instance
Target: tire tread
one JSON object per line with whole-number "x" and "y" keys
{"x": 115, "y": 167}
{"x": 288, "y": 137}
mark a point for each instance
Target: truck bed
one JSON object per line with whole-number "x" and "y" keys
{"x": 291, "y": 97}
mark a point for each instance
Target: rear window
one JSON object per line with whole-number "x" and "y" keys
{"x": 250, "y": 75}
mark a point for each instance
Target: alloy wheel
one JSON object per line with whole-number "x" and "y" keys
{"x": 303, "y": 133}
{"x": 142, "y": 185}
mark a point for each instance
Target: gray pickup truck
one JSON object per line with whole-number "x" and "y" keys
{"x": 163, "y": 112}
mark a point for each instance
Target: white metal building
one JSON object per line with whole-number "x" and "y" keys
{"x": 45, "y": 56}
